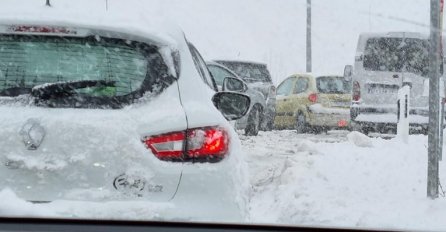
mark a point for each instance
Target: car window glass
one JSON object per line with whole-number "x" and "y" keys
{"x": 333, "y": 85}
{"x": 301, "y": 85}
{"x": 284, "y": 89}
{"x": 202, "y": 68}
{"x": 219, "y": 74}
{"x": 28, "y": 62}
{"x": 249, "y": 72}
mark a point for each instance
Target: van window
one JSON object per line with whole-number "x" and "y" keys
{"x": 397, "y": 55}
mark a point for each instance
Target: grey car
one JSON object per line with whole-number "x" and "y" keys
{"x": 251, "y": 122}
{"x": 257, "y": 76}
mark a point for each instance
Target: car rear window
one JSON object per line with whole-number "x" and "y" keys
{"x": 329, "y": 84}
{"x": 134, "y": 68}
{"x": 397, "y": 55}
{"x": 249, "y": 72}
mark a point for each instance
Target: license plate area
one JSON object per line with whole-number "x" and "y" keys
{"x": 341, "y": 104}
{"x": 382, "y": 89}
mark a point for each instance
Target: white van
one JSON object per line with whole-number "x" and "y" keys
{"x": 383, "y": 63}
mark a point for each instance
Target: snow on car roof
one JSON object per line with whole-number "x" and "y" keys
{"x": 128, "y": 26}
{"x": 314, "y": 75}
{"x": 241, "y": 61}
{"x": 397, "y": 34}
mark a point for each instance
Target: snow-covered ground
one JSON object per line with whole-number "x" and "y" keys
{"x": 339, "y": 179}
{"x": 342, "y": 180}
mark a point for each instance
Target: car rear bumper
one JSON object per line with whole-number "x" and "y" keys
{"x": 383, "y": 119}
{"x": 210, "y": 193}
{"x": 328, "y": 117}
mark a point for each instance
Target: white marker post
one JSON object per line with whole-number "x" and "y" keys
{"x": 403, "y": 113}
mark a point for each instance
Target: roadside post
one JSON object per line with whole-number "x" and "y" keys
{"x": 402, "y": 127}
{"x": 309, "y": 65}
{"x": 434, "y": 136}
{"x": 442, "y": 93}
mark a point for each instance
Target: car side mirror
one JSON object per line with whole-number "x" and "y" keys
{"x": 348, "y": 72}
{"x": 234, "y": 84}
{"x": 232, "y": 105}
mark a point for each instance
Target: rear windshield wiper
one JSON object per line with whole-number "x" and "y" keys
{"x": 66, "y": 89}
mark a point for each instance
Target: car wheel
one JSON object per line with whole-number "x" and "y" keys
{"x": 301, "y": 123}
{"x": 270, "y": 124}
{"x": 252, "y": 129}
{"x": 359, "y": 128}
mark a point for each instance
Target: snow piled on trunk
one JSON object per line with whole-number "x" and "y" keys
{"x": 336, "y": 183}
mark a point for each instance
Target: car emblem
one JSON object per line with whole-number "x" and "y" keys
{"x": 32, "y": 134}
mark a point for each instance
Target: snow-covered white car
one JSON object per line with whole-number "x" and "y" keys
{"x": 385, "y": 62}
{"x": 116, "y": 111}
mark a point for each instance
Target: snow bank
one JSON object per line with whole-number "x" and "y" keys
{"x": 383, "y": 186}
{"x": 359, "y": 139}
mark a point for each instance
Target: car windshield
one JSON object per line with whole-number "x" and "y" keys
{"x": 300, "y": 114}
{"x": 28, "y": 62}
{"x": 333, "y": 85}
{"x": 397, "y": 55}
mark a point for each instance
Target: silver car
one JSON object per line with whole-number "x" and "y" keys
{"x": 257, "y": 76}
{"x": 251, "y": 122}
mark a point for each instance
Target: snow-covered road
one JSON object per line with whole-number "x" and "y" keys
{"x": 341, "y": 180}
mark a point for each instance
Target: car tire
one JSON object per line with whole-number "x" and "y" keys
{"x": 270, "y": 124}
{"x": 253, "y": 127}
{"x": 301, "y": 123}
{"x": 359, "y": 128}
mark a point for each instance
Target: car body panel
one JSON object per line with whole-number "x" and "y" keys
{"x": 330, "y": 110}
{"x": 264, "y": 86}
{"x": 257, "y": 98}
{"x": 85, "y": 152}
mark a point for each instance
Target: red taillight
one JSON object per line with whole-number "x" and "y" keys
{"x": 167, "y": 146}
{"x": 313, "y": 98}
{"x": 356, "y": 93}
{"x": 208, "y": 144}
{"x": 42, "y": 29}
